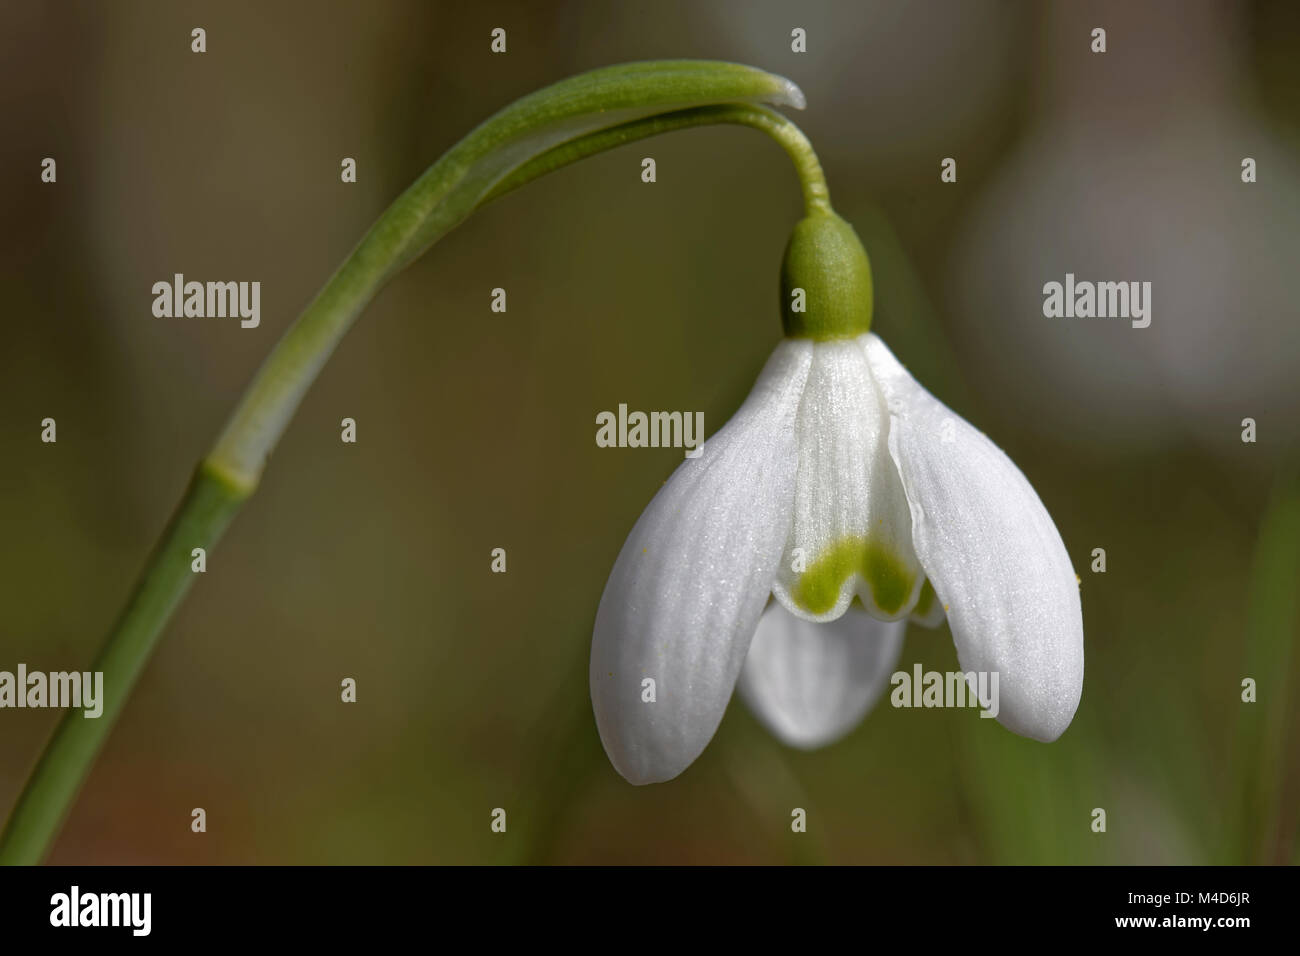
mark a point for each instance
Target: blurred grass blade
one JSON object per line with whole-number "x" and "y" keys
{"x": 1267, "y": 822}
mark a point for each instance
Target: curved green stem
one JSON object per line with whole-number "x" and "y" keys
{"x": 791, "y": 138}
{"x": 541, "y": 132}
{"x": 448, "y": 192}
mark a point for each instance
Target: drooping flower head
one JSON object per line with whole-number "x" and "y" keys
{"x": 839, "y": 482}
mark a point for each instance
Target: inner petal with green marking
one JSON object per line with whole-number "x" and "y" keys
{"x": 851, "y": 523}
{"x": 886, "y": 584}
{"x": 928, "y": 611}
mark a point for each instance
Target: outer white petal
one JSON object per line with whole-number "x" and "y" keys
{"x": 810, "y": 683}
{"x": 852, "y": 529}
{"x": 686, "y": 592}
{"x": 992, "y": 553}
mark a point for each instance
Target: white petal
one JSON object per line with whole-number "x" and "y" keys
{"x": 686, "y": 592}
{"x": 810, "y": 683}
{"x": 992, "y": 553}
{"x": 852, "y": 530}
{"x": 928, "y": 611}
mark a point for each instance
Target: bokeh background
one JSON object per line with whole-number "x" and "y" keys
{"x": 476, "y": 430}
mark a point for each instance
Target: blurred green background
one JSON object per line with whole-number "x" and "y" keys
{"x": 476, "y": 430}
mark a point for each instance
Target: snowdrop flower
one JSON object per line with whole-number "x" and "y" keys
{"x": 839, "y": 478}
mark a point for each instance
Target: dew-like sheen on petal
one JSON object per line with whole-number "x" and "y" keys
{"x": 852, "y": 531}
{"x": 991, "y": 551}
{"x": 685, "y": 595}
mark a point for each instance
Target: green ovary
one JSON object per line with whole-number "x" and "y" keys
{"x": 890, "y": 580}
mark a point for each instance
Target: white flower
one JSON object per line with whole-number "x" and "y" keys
{"x": 839, "y": 477}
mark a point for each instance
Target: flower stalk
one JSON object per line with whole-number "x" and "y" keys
{"x": 544, "y": 131}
